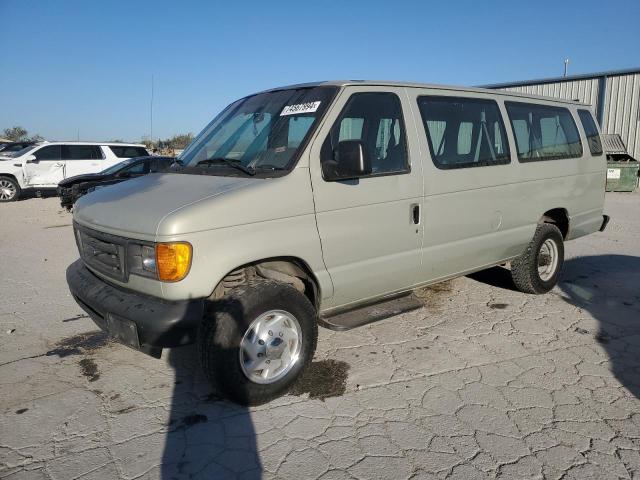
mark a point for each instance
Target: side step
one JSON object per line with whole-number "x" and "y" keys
{"x": 364, "y": 315}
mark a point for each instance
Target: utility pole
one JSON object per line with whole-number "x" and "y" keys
{"x": 151, "y": 113}
{"x": 566, "y": 66}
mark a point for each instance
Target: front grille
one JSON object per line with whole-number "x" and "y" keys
{"x": 102, "y": 252}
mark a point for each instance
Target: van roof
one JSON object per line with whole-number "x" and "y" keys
{"x": 385, "y": 83}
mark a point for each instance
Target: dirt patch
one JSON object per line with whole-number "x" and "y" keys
{"x": 323, "y": 379}
{"x": 78, "y": 344}
{"x": 89, "y": 369}
{"x": 59, "y": 226}
{"x": 434, "y": 296}
{"x": 498, "y": 306}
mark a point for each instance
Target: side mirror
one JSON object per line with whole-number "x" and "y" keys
{"x": 351, "y": 160}
{"x": 32, "y": 159}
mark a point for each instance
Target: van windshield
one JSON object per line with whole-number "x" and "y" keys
{"x": 258, "y": 135}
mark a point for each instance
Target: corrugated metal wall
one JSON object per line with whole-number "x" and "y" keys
{"x": 622, "y": 110}
{"x": 621, "y": 113}
{"x": 583, "y": 90}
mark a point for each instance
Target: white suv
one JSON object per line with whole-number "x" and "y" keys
{"x": 41, "y": 166}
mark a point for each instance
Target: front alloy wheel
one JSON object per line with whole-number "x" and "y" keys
{"x": 257, "y": 340}
{"x": 9, "y": 189}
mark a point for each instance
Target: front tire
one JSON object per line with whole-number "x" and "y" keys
{"x": 9, "y": 189}
{"x": 256, "y": 341}
{"x": 538, "y": 268}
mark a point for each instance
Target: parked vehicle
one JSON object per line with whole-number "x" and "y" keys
{"x": 72, "y": 188}
{"x": 41, "y": 166}
{"x": 319, "y": 204}
{"x": 8, "y": 148}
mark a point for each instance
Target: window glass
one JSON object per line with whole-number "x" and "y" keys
{"x": 137, "y": 168}
{"x": 263, "y": 132}
{"x": 81, "y": 152}
{"x": 376, "y": 120}
{"x": 590, "y": 129}
{"x": 543, "y": 132}
{"x": 298, "y": 128}
{"x": 464, "y": 132}
{"x": 128, "y": 152}
{"x": 50, "y": 152}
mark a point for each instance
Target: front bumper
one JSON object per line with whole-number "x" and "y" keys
{"x": 139, "y": 321}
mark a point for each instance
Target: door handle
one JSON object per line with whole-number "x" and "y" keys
{"x": 415, "y": 213}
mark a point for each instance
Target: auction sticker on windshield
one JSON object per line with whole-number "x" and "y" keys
{"x": 308, "y": 107}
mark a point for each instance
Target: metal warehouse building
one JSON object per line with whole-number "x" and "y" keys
{"x": 614, "y": 95}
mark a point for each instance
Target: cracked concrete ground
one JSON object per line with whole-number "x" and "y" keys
{"x": 483, "y": 382}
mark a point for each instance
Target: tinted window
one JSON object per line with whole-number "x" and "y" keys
{"x": 590, "y": 129}
{"x": 81, "y": 152}
{"x": 50, "y": 152}
{"x": 375, "y": 119}
{"x": 137, "y": 168}
{"x": 543, "y": 132}
{"x": 464, "y": 132}
{"x": 128, "y": 152}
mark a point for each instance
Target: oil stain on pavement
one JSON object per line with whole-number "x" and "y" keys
{"x": 323, "y": 379}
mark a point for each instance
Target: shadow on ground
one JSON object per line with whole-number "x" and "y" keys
{"x": 208, "y": 437}
{"x": 608, "y": 287}
{"x": 212, "y": 438}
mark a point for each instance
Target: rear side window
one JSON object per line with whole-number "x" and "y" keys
{"x": 464, "y": 132}
{"x": 590, "y": 129}
{"x": 375, "y": 118}
{"x": 543, "y": 132}
{"x": 50, "y": 152}
{"x": 81, "y": 152}
{"x": 128, "y": 152}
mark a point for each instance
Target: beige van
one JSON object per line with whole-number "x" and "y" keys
{"x": 307, "y": 205}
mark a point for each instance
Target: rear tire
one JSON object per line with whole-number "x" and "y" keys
{"x": 261, "y": 322}
{"x": 9, "y": 189}
{"x": 538, "y": 268}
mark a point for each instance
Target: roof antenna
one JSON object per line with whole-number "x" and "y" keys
{"x": 566, "y": 66}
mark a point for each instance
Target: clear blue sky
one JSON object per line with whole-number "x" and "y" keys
{"x": 86, "y": 65}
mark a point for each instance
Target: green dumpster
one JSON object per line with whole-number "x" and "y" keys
{"x": 622, "y": 176}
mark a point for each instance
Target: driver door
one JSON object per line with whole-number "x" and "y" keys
{"x": 47, "y": 169}
{"x": 370, "y": 227}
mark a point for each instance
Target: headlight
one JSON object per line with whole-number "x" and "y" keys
{"x": 173, "y": 261}
{"x": 148, "y": 255}
{"x": 168, "y": 262}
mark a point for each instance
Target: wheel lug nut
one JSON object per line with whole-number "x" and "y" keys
{"x": 270, "y": 333}
{"x": 260, "y": 342}
{"x": 267, "y": 361}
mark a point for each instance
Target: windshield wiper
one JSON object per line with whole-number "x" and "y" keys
{"x": 232, "y": 162}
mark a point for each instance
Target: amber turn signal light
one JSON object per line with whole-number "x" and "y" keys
{"x": 173, "y": 261}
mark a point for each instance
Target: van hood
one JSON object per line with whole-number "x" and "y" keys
{"x": 138, "y": 206}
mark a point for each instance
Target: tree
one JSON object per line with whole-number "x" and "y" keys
{"x": 15, "y": 134}
{"x": 19, "y": 134}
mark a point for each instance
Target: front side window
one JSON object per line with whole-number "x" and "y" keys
{"x": 260, "y": 134}
{"x": 50, "y": 152}
{"x": 374, "y": 118}
{"x": 543, "y": 132}
{"x": 590, "y": 129}
{"x": 81, "y": 152}
{"x": 464, "y": 132}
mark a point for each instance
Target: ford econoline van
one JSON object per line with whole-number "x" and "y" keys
{"x": 307, "y": 205}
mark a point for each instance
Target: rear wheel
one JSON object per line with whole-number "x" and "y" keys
{"x": 257, "y": 340}
{"x": 538, "y": 268}
{"x": 9, "y": 189}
